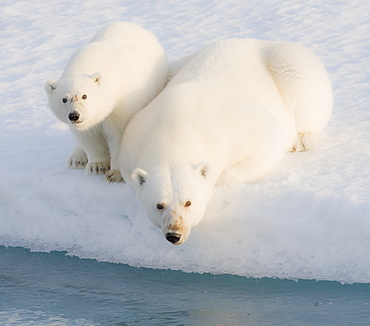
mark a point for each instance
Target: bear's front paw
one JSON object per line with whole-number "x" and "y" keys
{"x": 114, "y": 176}
{"x": 94, "y": 168}
{"x": 77, "y": 162}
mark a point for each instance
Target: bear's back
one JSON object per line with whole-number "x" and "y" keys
{"x": 97, "y": 57}
{"x": 137, "y": 45}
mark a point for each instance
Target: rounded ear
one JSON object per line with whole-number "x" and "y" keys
{"x": 203, "y": 168}
{"x": 138, "y": 177}
{"x": 50, "y": 85}
{"x": 96, "y": 77}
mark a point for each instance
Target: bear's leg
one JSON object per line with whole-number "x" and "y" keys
{"x": 114, "y": 136}
{"x": 114, "y": 174}
{"x": 305, "y": 88}
{"x": 94, "y": 143}
{"x": 98, "y": 158}
{"x": 77, "y": 159}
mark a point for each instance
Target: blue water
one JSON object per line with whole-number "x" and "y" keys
{"x": 55, "y": 289}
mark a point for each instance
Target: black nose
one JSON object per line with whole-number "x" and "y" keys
{"x": 74, "y": 116}
{"x": 173, "y": 237}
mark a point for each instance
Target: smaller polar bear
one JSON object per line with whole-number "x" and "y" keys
{"x": 103, "y": 85}
{"x": 227, "y": 117}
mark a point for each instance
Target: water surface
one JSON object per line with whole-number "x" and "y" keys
{"x": 55, "y": 289}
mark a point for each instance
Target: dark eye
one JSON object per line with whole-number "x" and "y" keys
{"x": 64, "y": 100}
{"x": 160, "y": 207}
{"x": 188, "y": 203}
{"x": 84, "y": 97}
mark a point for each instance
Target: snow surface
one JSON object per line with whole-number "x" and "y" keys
{"x": 310, "y": 220}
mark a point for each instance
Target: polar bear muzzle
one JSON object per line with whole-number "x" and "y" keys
{"x": 175, "y": 227}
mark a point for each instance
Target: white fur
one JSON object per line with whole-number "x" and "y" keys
{"x": 120, "y": 71}
{"x": 227, "y": 117}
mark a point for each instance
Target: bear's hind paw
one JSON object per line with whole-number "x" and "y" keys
{"x": 305, "y": 141}
{"x": 114, "y": 176}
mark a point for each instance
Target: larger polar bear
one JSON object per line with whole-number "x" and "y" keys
{"x": 103, "y": 85}
{"x": 227, "y": 117}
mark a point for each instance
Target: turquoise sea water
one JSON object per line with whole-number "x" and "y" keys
{"x": 55, "y": 289}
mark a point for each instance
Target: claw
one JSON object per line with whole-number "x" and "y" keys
{"x": 114, "y": 176}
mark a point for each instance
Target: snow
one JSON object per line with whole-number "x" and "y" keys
{"x": 309, "y": 220}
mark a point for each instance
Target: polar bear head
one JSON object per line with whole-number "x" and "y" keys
{"x": 175, "y": 197}
{"x": 81, "y": 101}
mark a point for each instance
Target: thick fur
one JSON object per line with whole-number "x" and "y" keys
{"x": 227, "y": 117}
{"x": 103, "y": 85}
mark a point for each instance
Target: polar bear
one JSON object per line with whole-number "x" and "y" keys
{"x": 227, "y": 117}
{"x": 103, "y": 85}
